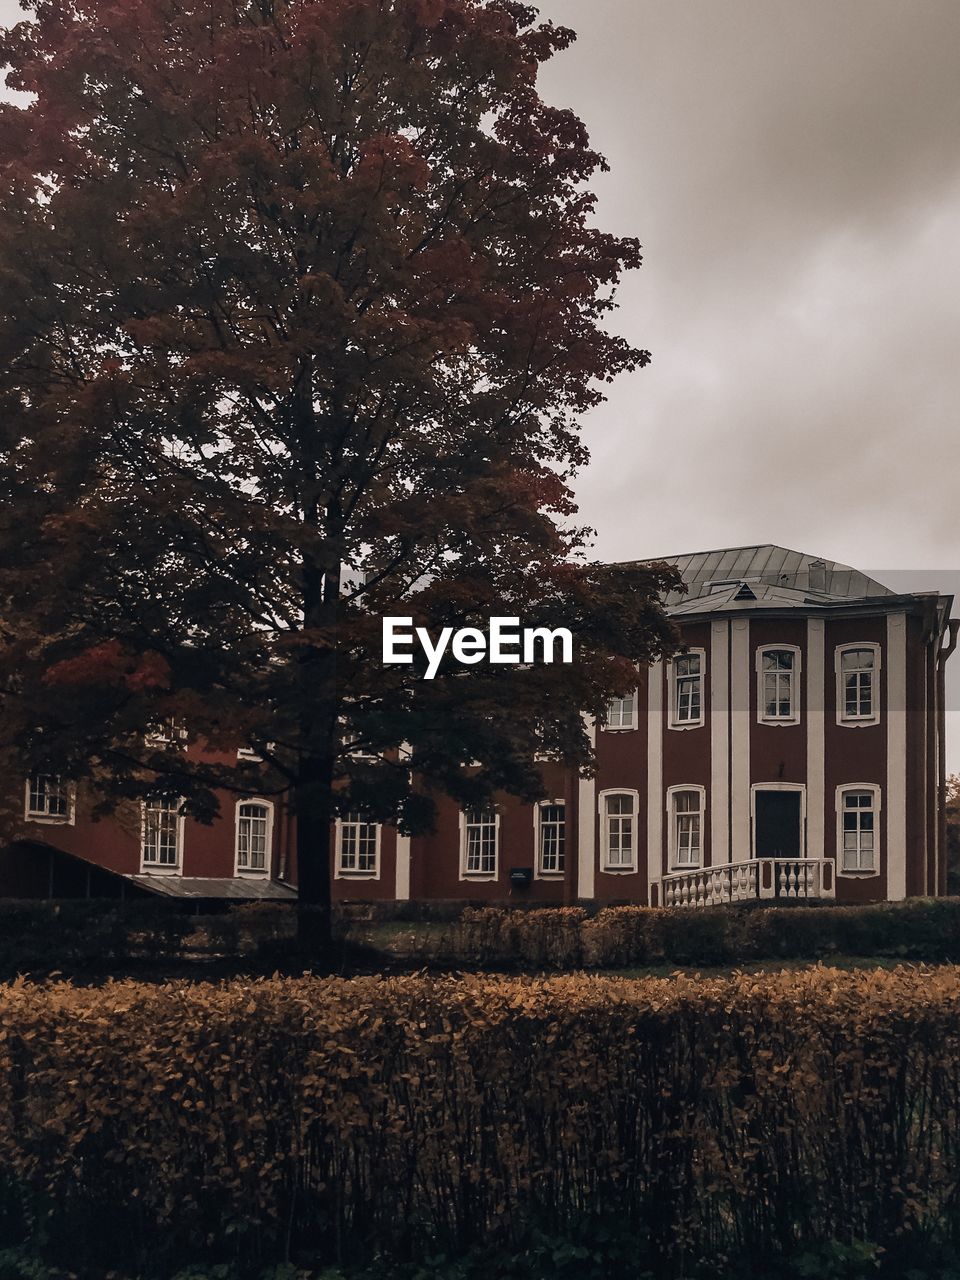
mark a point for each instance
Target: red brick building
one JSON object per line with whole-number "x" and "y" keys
{"x": 795, "y": 748}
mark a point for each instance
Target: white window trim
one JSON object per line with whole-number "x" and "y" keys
{"x": 156, "y": 868}
{"x": 857, "y": 722}
{"x": 248, "y": 753}
{"x": 672, "y": 721}
{"x": 251, "y": 873}
{"x": 673, "y": 864}
{"x": 538, "y": 872}
{"x": 778, "y": 786}
{"x": 622, "y": 728}
{"x": 876, "y": 791}
{"x": 794, "y": 717}
{"x": 618, "y": 869}
{"x": 479, "y": 875}
{"x": 67, "y": 819}
{"x": 339, "y": 873}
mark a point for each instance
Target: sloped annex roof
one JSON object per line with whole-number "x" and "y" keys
{"x": 765, "y": 576}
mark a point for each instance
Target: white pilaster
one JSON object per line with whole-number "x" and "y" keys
{"x": 403, "y": 868}
{"x": 719, "y": 742}
{"x": 740, "y": 739}
{"x": 587, "y": 825}
{"x": 895, "y": 800}
{"x": 654, "y": 777}
{"x": 815, "y": 738}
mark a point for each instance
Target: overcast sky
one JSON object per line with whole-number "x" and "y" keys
{"x": 793, "y": 171}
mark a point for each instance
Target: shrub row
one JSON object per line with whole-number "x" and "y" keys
{"x": 76, "y": 936}
{"x": 623, "y": 937}
{"x": 342, "y": 1120}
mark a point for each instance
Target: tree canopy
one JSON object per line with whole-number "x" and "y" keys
{"x": 302, "y": 303}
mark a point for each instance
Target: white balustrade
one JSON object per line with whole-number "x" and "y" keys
{"x": 741, "y": 881}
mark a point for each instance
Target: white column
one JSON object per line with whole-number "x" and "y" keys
{"x": 654, "y": 777}
{"x": 740, "y": 671}
{"x": 586, "y": 830}
{"x": 719, "y": 742}
{"x": 815, "y": 738}
{"x": 895, "y": 800}
{"x": 403, "y": 868}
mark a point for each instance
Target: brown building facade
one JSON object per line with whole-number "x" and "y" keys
{"x": 793, "y": 749}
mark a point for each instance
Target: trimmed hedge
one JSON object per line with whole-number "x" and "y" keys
{"x": 108, "y": 937}
{"x": 143, "y": 1128}
{"x": 627, "y": 937}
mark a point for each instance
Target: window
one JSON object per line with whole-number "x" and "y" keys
{"x": 551, "y": 837}
{"x": 248, "y": 754}
{"x": 685, "y": 806}
{"x": 622, "y": 712}
{"x": 858, "y": 829}
{"x": 480, "y": 828}
{"x": 686, "y": 689}
{"x": 254, "y": 831}
{"x": 162, "y": 833}
{"x": 858, "y": 692}
{"x": 48, "y": 798}
{"x": 618, "y": 816}
{"x": 358, "y": 845}
{"x": 778, "y": 698}
{"x": 166, "y": 733}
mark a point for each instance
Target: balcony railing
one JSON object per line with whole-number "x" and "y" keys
{"x": 788, "y": 878}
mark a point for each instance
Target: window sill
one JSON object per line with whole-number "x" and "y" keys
{"x": 50, "y": 820}
{"x": 478, "y": 875}
{"x": 550, "y": 875}
{"x": 619, "y": 871}
{"x": 358, "y": 875}
{"x": 154, "y": 869}
{"x": 858, "y": 724}
{"x": 778, "y": 724}
{"x": 691, "y": 724}
{"x": 857, "y": 875}
{"x": 618, "y": 728}
{"x": 252, "y": 873}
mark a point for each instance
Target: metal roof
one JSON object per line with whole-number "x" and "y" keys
{"x": 236, "y": 888}
{"x": 777, "y": 577}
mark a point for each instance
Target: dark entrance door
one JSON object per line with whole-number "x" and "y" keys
{"x": 778, "y": 824}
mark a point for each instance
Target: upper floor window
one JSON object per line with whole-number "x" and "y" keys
{"x": 48, "y": 799}
{"x": 622, "y": 712}
{"x": 686, "y": 689}
{"x": 858, "y": 684}
{"x": 254, "y": 830}
{"x": 162, "y": 837}
{"x": 358, "y": 845}
{"x": 858, "y": 824}
{"x": 618, "y": 820}
{"x": 778, "y": 692}
{"x": 480, "y": 831}
{"x": 551, "y": 837}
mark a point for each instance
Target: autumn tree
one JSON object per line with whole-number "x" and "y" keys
{"x": 301, "y": 306}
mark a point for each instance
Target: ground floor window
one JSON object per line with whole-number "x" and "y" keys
{"x": 686, "y": 806}
{"x": 358, "y": 845}
{"x": 480, "y": 841}
{"x": 618, "y": 818}
{"x": 254, "y": 822}
{"x": 162, "y": 832}
{"x": 551, "y": 838}
{"x": 858, "y": 820}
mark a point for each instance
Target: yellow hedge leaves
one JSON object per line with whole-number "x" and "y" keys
{"x": 408, "y": 1113}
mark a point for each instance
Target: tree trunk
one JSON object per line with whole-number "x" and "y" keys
{"x": 314, "y": 816}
